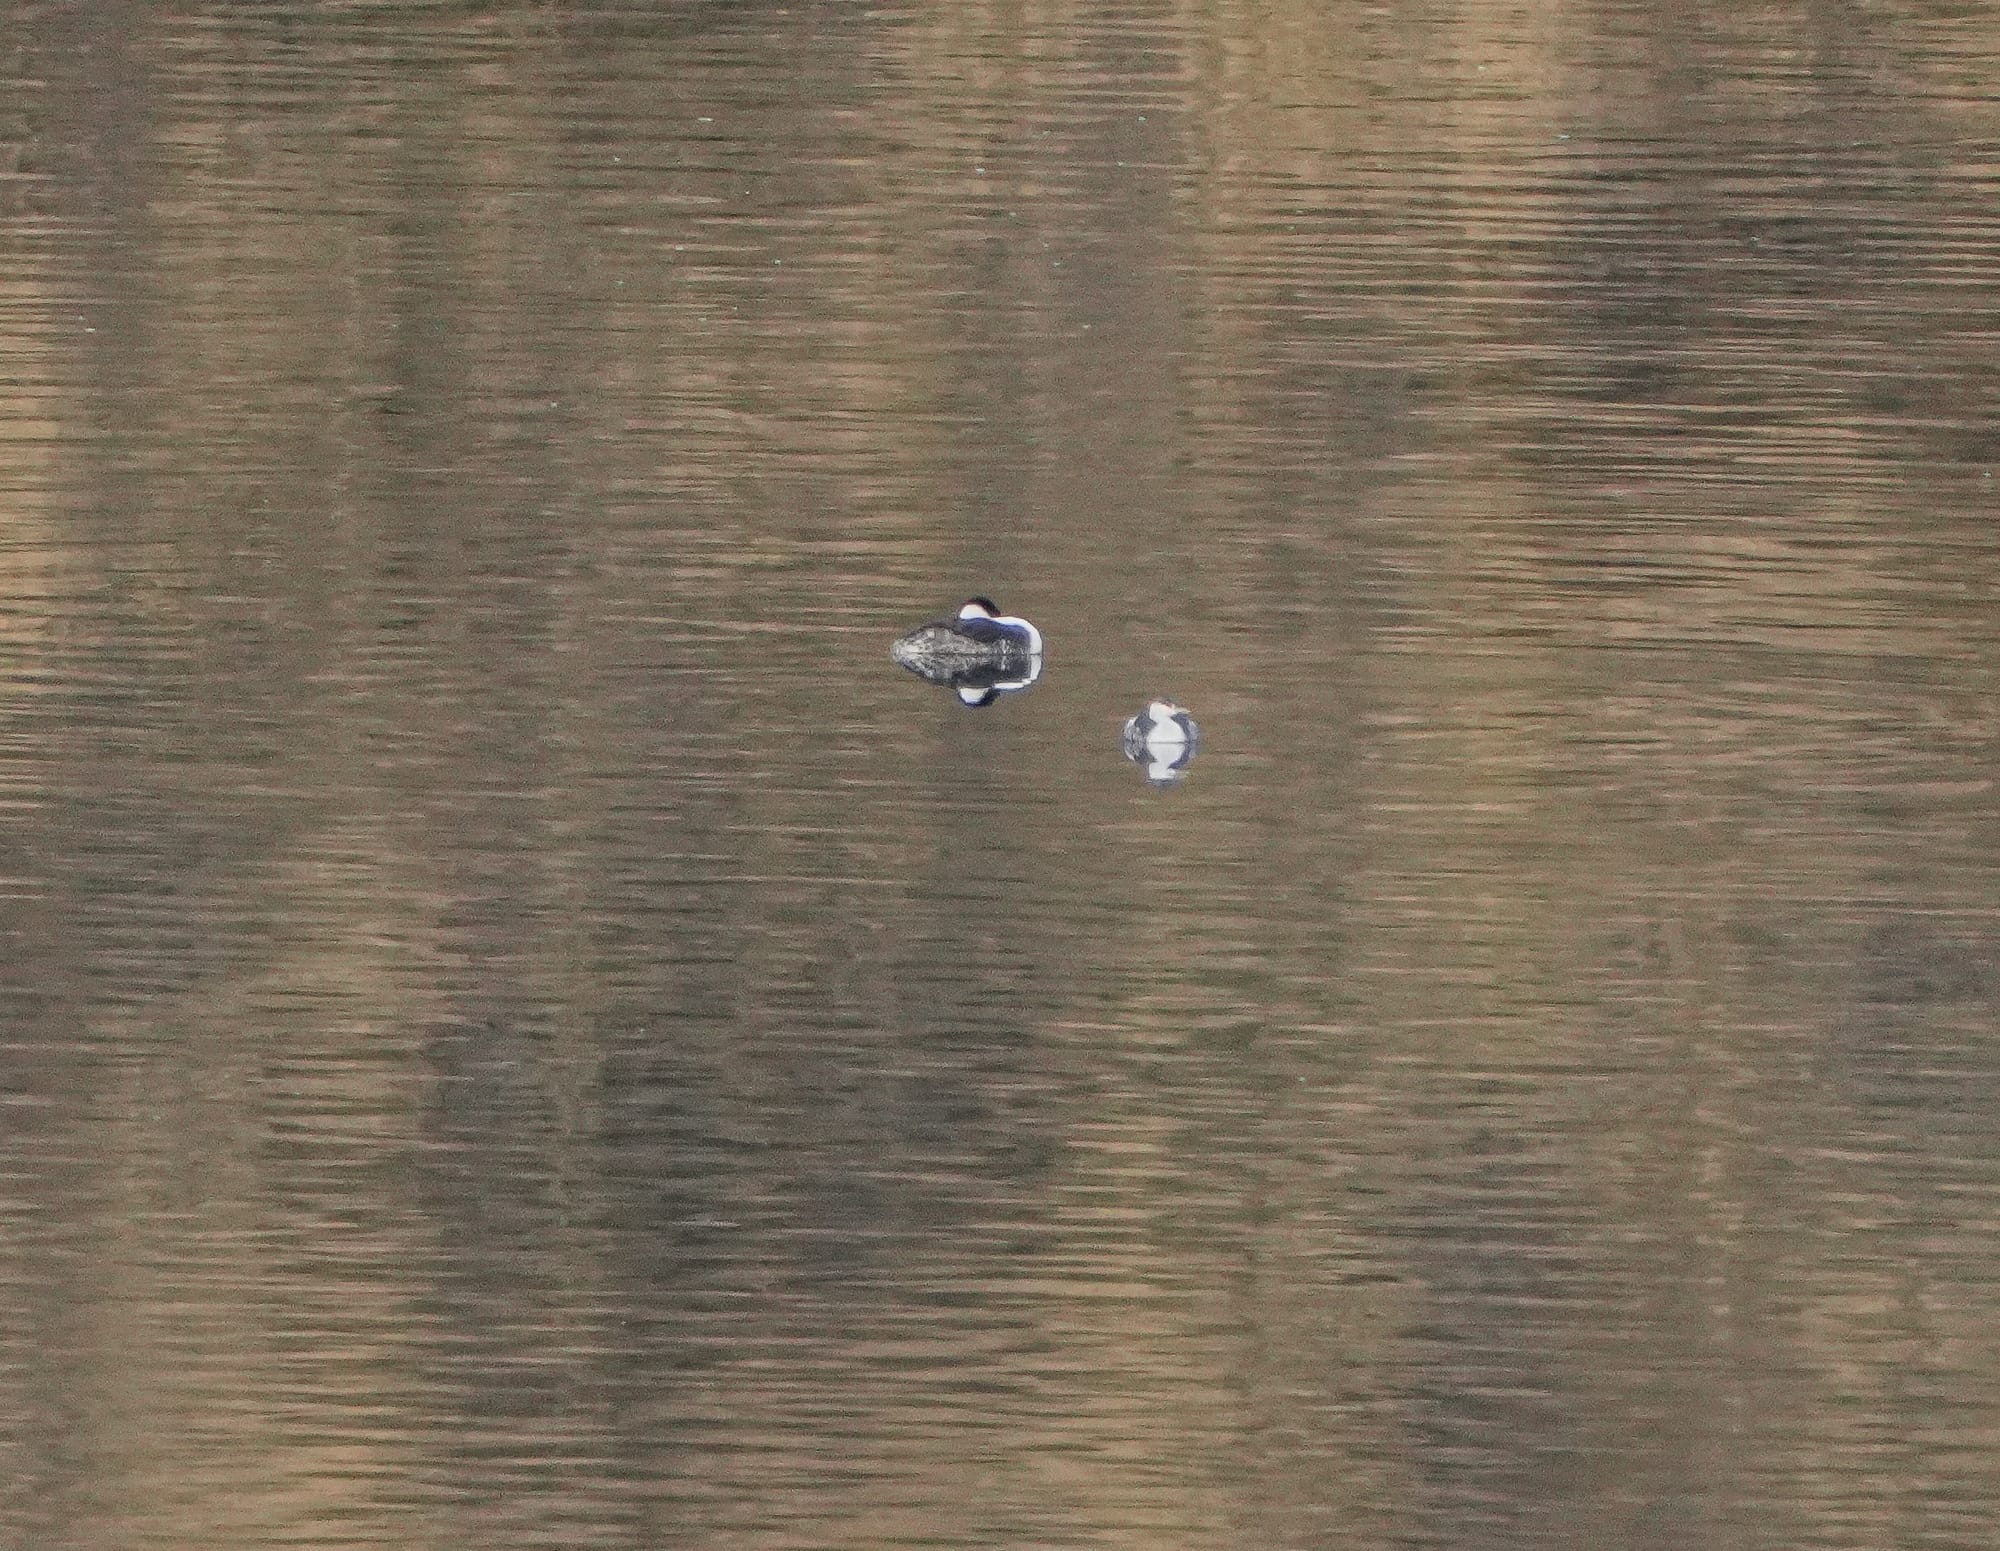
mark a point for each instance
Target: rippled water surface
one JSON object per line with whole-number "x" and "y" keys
{"x": 523, "y": 1027}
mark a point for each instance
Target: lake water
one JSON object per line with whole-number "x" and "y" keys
{"x": 522, "y": 1027}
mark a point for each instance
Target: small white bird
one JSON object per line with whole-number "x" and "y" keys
{"x": 1163, "y": 738}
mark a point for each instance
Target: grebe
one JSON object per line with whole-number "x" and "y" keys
{"x": 1163, "y": 738}
{"x": 979, "y": 652}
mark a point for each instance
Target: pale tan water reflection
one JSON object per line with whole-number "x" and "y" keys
{"x": 526, "y": 1029}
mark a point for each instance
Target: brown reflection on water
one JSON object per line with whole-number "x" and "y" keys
{"x": 528, "y": 1029}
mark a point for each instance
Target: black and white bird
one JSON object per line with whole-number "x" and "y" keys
{"x": 979, "y": 652}
{"x": 1163, "y": 738}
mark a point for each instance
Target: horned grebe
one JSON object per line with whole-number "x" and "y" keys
{"x": 1163, "y": 738}
{"x": 979, "y": 652}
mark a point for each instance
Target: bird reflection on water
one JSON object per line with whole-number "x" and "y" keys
{"x": 1163, "y": 738}
{"x": 979, "y": 653}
